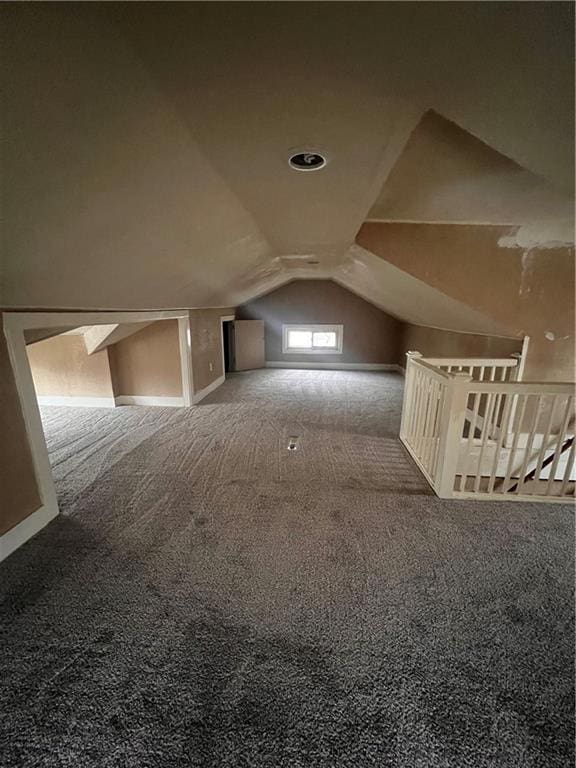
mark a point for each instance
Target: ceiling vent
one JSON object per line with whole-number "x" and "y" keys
{"x": 307, "y": 160}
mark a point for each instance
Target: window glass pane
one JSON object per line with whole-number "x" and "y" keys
{"x": 300, "y": 339}
{"x": 324, "y": 339}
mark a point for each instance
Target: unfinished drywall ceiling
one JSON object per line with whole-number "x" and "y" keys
{"x": 407, "y": 298}
{"x": 98, "y": 337}
{"x": 444, "y": 174}
{"x": 148, "y": 143}
{"x": 33, "y": 335}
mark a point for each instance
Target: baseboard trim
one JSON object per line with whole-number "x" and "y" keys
{"x": 26, "y": 528}
{"x": 336, "y": 366}
{"x": 167, "y": 402}
{"x": 77, "y": 402}
{"x": 198, "y": 396}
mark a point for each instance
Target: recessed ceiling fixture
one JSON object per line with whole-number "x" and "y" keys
{"x": 307, "y": 160}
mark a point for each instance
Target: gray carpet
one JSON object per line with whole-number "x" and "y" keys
{"x": 209, "y": 598}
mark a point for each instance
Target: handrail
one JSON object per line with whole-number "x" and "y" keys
{"x": 479, "y": 368}
{"x": 474, "y": 362}
{"x": 437, "y": 372}
{"x": 523, "y": 387}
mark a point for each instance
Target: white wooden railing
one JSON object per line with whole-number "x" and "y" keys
{"x": 475, "y": 431}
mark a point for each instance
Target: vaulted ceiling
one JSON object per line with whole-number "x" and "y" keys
{"x": 147, "y": 144}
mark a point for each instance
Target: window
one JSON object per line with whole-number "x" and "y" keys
{"x": 312, "y": 339}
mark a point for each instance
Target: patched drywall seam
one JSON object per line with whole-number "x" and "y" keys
{"x": 545, "y": 235}
{"x": 528, "y": 259}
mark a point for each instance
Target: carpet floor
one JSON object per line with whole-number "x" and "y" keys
{"x": 209, "y": 598}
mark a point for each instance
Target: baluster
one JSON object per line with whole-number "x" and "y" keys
{"x": 420, "y": 414}
{"x": 545, "y": 438}
{"x": 470, "y": 442}
{"x": 409, "y": 394}
{"x": 485, "y": 435}
{"x": 559, "y": 444}
{"x": 415, "y": 402}
{"x": 430, "y": 414}
{"x": 413, "y": 395}
{"x": 503, "y": 431}
{"x": 517, "y": 399}
{"x": 436, "y": 424}
{"x": 568, "y": 470}
{"x": 529, "y": 444}
{"x": 441, "y": 398}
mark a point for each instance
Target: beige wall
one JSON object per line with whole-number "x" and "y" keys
{"x": 61, "y": 366}
{"x": 145, "y": 363}
{"x": 370, "y": 335}
{"x": 19, "y": 496}
{"x": 148, "y": 362}
{"x": 529, "y": 292}
{"x": 433, "y": 342}
{"x": 206, "y": 333}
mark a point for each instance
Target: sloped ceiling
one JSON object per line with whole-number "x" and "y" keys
{"x": 148, "y": 143}
{"x": 407, "y": 298}
{"x": 445, "y": 174}
{"x": 109, "y": 201}
{"x": 96, "y": 337}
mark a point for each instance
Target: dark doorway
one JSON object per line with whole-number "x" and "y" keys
{"x": 228, "y": 339}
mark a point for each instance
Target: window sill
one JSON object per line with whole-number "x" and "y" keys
{"x": 311, "y": 352}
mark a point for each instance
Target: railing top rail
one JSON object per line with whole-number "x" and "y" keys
{"x": 433, "y": 370}
{"x": 474, "y": 362}
{"x": 523, "y": 387}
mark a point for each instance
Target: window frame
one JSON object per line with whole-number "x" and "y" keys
{"x": 313, "y": 328}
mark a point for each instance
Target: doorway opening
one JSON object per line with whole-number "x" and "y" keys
{"x": 228, "y": 345}
{"x": 22, "y": 328}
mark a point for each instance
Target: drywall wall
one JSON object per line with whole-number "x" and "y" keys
{"x": 148, "y": 362}
{"x": 61, "y": 366}
{"x": 433, "y": 342}
{"x": 145, "y": 363}
{"x": 19, "y": 496}
{"x": 206, "y": 339}
{"x": 370, "y": 335}
{"x": 527, "y": 292}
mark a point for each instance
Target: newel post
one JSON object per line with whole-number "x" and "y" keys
{"x": 451, "y": 429}
{"x": 408, "y": 390}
